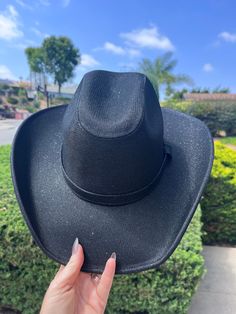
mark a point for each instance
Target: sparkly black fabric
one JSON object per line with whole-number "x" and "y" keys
{"x": 104, "y": 159}
{"x": 111, "y": 117}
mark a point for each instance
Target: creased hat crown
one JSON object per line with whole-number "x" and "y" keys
{"x": 113, "y": 138}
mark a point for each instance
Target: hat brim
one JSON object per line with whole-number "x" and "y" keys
{"x": 143, "y": 234}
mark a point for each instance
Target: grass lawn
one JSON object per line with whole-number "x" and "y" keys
{"x": 228, "y": 140}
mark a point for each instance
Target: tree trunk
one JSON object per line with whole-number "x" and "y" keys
{"x": 59, "y": 88}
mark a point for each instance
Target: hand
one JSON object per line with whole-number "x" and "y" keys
{"x": 75, "y": 292}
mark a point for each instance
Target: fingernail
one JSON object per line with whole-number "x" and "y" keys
{"x": 113, "y": 255}
{"x": 75, "y": 246}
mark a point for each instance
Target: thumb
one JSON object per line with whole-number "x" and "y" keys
{"x": 70, "y": 272}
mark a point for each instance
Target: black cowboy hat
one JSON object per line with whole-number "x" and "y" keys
{"x": 114, "y": 169}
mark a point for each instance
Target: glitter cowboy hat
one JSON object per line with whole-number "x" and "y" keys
{"x": 112, "y": 168}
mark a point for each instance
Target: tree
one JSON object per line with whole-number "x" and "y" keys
{"x": 35, "y": 58}
{"x": 179, "y": 94}
{"x": 207, "y": 90}
{"x": 61, "y": 58}
{"x": 160, "y": 73}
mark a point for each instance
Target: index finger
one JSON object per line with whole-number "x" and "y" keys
{"x": 106, "y": 280}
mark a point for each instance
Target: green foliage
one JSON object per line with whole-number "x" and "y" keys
{"x": 207, "y": 90}
{"x": 176, "y": 104}
{"x": 57, "y": 56}
{"x": 22, "y": 92}
{"x": 221, "y": 90}
{"x": 217, "y": 115}
{"x": 23, "y": 101}
{"x": 14, "y": 90}
{"x": 12, "y": 100}
{"x": 160, "y": 72}
{"x": 179, "y": 95}
{"x": 35, "y": 58}
{"x": 31, "y": 109}
{"x": 25, "y": 272}
{"x": 219, "y": 202}
{"x": 36, "y": 104}
{"x": 60, "y": 57}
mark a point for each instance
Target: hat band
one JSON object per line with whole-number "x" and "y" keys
{"x": 116, "y": 199}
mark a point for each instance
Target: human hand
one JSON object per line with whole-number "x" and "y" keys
{"x": 75, "y": 292}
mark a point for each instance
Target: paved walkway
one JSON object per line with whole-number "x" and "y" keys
{"x": 231, "y": 146}
{"x": 8, "y": 128}
{"x": 216, "y": 293}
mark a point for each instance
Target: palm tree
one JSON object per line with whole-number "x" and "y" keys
{"x": 160, "y": 73}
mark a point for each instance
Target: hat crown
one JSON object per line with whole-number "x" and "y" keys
{"x": 113, "y": 137}
{"x": 111, "y": 104}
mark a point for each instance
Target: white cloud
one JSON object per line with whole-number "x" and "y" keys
{"x": 229, "y": 37}
{"x": 23, "y": 4}
{"x": 9, "y": 24}
{"x": 5, "y": 73}
{"x": 23, "y": 44}
{"x": 114, "y": 48}
{"x": 118, "y": 50}
{"x": 148, "y": 38}
{"x": 45, "y": 2}
{"x": 207, "y": 67}
{"x": 12, "y": 11}
{"x": 38, "y": 32}
{"x": 133, "y": 52}
{"x": 65, "y": 3}
{"x": 88, "y": 61}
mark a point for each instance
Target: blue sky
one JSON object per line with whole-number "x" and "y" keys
{"x": 116, "y": 35}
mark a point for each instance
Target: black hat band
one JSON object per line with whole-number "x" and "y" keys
{"x": 116, "y": 199}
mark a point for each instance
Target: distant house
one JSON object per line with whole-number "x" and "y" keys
{"x": 6, "y": 82}
{"x": 210, "y": 97}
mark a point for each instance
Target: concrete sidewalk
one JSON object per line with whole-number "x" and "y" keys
{"x": 216, "y": 293}
{"x": 8, "y": 129}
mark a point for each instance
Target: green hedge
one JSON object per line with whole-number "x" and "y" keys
{"x": 217, "y": 115}
{"x": 12, "y": 100}
{"x": 219, "y": 202}
{"x": 25, "y": 272}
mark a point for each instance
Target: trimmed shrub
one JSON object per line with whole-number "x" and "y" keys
{"x": 23, "y": 101}
{"x": 36, "y": 104}
{"x": 219, "y": 201}
{"x": 217, "y": 115}
{"x": 30, "y": 108}
{"x": 14, "y": 90}
{"x": 12, "y": 100}
{"x": 22, "y": 92}
{"x": 180, "y": 105}
{"x": 26, "y": 272}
